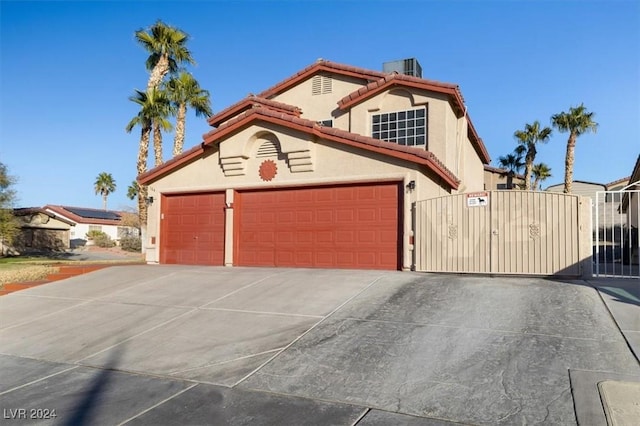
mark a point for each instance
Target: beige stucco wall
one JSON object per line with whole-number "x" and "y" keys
{"x": 332, "y": 162}
{"x": 323, "y": 106}
{"x": 447, "y": 133}
{"x": 471, "y": 171}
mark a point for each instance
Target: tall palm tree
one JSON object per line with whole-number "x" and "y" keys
{"x": 167, "y": 50}
{"x": 513, "y": 163}
{"x": 105, "y": 184}
{"x": 184, "y": 91}
{"x": 577, "y": 121}
{"x": 540, "y": 173}
{"x": 528, "y": 138}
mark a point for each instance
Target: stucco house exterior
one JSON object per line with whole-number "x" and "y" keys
{"x": 41, "y": 230}
{"x": 320, "y": 170}
{"x": 496, "y": 178}
{"x": 86, "y": 219}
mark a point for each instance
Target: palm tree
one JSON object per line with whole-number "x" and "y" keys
{"x": 132, "y": 190}
{"x": 577, "y": 121}
{"x": 167, "y": 50}
{"x": 144, "y": 119}
{"x": 184, "y": 91}
{"x": 528, "y": 138}
{"x": 540, "y": 172}
{"x": 105, "y": 185}
{"x": 513, "y": 163}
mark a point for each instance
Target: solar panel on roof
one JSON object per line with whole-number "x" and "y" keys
{"x": 94, "y": 214}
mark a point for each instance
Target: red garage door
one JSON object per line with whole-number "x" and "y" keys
{"x": 354, "y": 226}
{"x": 192, "y": 229}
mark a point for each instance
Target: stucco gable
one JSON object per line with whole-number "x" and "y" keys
{"x": 393, "y": 81}
{"x": 319, "y": 66}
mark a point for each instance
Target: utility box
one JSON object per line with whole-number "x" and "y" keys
{"x": 409, "y": 66}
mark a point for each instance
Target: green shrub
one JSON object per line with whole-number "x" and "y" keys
{"x": 92, "y": 235}
{"x": 131, "y": 244}
{"x": 103, "y": 241}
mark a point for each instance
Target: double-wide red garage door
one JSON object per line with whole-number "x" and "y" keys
{"x": 350, "y": 226}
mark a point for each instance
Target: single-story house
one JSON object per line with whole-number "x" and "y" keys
{"x": 41, "y": 230}
{"x": 499, "y": 178}
{"x": 320, "y": 170}
{"x": 86, "y": 219}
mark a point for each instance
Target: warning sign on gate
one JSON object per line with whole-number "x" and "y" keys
{"x": 477, "y": 199}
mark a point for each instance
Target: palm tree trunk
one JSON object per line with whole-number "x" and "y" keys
{"x": 143, "y": 154}
{"x": 178, "y": 141}
{"x": 157, "y": 143}
{"x": 104, "y": 201}
{"x": 158, "y": 72}
{"x": 536, "y": 182}
{"x": 141, "y": 165}
{"x": 568, "y": 163}
{"x": 528, "y": 166}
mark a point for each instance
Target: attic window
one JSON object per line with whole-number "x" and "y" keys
{"x": 321, "y": 84}
{"x": 268, "y": 149}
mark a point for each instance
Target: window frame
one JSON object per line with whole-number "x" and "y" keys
{"x": 402, "y": 126}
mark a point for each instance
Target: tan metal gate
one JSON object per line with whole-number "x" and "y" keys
{"x": 504, "y": 232}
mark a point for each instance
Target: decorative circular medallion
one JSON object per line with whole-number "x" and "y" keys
{"x": 268, "y": 170}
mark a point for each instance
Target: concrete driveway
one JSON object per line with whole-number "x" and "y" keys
{"x": 155, "y": 345}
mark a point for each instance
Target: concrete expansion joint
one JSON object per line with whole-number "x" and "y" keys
{"x": 309, "y": 330}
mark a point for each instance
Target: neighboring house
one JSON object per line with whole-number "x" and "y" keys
{"x": 320, "y": 170}
{"x": 602, "y": 204}
{"x": 630, "y": 206}
{"x": 608, "y": 222}
{"x": 85, "y": 219}
{"x": 497, "y": 178}
{"x": 41, "y": 230}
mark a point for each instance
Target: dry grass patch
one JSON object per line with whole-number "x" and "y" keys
{"x": 16, "y": 273}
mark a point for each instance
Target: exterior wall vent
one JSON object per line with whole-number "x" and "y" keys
{"x": 268, "y": 149}
{"x": 409, "y": 66}
{"x": 321, "y": 84}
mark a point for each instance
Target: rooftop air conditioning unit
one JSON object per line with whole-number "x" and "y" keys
{"x": 404, "y": 66}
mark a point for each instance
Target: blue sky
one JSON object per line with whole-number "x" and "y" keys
{"x": 68, "y": 68}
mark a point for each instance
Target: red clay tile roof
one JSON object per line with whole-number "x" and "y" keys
{"x": 494, "y": 169}
{"x": 401, "y": 79}
{"x": 62, "y": 211}
{"x": 501, "y": 171}
{"x": 617, "y": 182}
{"x": 249, "y": 102}
{"x": 415, "y": 155}
{"x": 318, "y": 66}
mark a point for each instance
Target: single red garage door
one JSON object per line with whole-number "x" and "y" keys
{"x": 192, "y": 229}
{"x": 350, "y": 226}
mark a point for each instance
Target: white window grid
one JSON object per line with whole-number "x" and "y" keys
{"x": 407, "y": 127}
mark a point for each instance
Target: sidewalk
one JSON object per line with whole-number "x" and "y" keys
{"x": 619, "y": 394}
